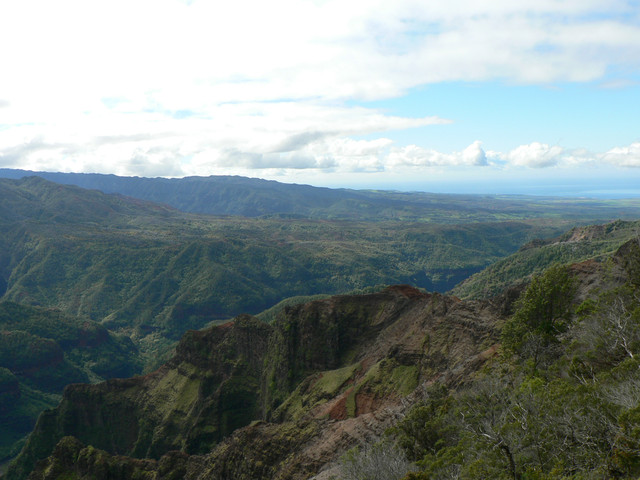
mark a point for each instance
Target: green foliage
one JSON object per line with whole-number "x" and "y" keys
{"x": 526, "y": 429}
{"x": 594, "y": 242}
{"x": 542, "y": 313}
{"x": 426, "y": 430}
{"x": 20, "y": 351}
{"x": 44, "y": 350}
{"x": 151, "y": 270}
{"x": 576, "y": 418}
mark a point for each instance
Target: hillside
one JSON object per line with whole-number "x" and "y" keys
{"x": 42, "y": 351}
{"x": 579, "y": 244}
{"x": 473, "y": 389}
{"x": 252, "y": 197}
{"x": 320, "y": 371}
{"x": 153, "y": 271}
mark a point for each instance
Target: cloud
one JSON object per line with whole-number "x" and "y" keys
{"x": 474, "y": 155}
{"x": 414, "y": 156}
{"x": 624, "y": 156}
{"x": 299, "y": 141}
{"x": 194, "y": 87}
{"x": 539, "y": 155}
{"x": 534, "y": 155}
{"x": 253, "y": 135}
{"x": 192, "y": 57}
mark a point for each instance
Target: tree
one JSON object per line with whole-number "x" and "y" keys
{"x": 381, "y": 461}
{"x": 542, "y": 313}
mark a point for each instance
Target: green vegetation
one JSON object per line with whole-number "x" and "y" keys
{"x": 542, "y": 313}
{"x": 222, "y": 379}
{"x": 113, "y": 283}
{"x": 575, "y": 416}
{"x": 252, "y": 197}
{"x": 316, "y": 390}
{"x": 558, "y": 399}
{"x": 74, "y": 461}
{"x": 146, "y": 270}
{"x": 42, "y": 351}
{"x": 270, "y": 314}
{"x": 596, "y": 242}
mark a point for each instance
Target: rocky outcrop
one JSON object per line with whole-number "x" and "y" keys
{"x": 250, "y": 400}
{"x": 73, "y": 460}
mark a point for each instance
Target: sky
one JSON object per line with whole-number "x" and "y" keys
{"x": 493, "y": 96}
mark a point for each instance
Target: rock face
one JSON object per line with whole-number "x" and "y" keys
{"x": 250, "y": 400}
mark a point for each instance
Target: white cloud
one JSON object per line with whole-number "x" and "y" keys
{"x": 414, "y": 156}
{"x": 539, "y": 155}
{"x": 168, "y": 87}
{"x": 535, "y": 155}
{"x": 198, "y": 55}
{"x": 624, "y": 156}
{"x": 254, "y": 135}
{"x": 474, "y": 155}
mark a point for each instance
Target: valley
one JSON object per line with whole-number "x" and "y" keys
{"x": 318, "y": 392}
{"x": 356, "y": 333}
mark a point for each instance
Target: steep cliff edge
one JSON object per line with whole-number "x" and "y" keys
{"x": 240, "y": 398}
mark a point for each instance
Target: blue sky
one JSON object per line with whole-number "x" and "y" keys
{"x": 494, "y": 96}
{"x": 505, "y": 116}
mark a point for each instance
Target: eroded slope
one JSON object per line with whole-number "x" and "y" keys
{"x": 324, "y": 376}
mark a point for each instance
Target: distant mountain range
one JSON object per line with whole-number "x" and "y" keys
{"x": 252, "y": 197}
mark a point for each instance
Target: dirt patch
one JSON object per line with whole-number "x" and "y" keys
{"x": 366, "y": 403}
{"x": 338, "y": 410}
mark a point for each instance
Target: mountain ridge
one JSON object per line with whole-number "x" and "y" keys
{"x": 576, "y": 245}
{"x": 297, "y": 352}
{"x": 254, "y": 197}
